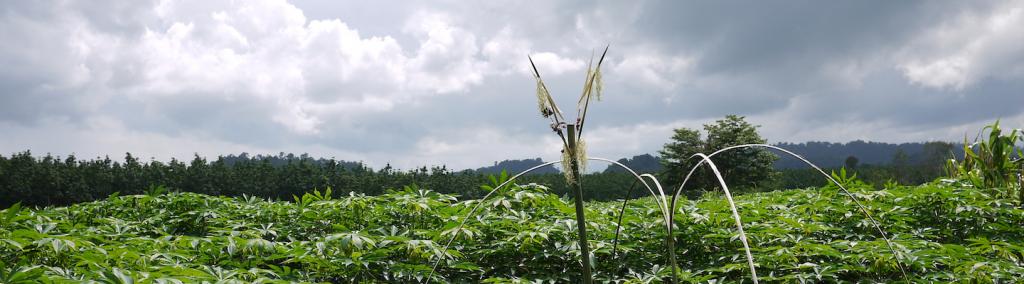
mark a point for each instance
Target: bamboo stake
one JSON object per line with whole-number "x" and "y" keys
{"x": 581, "y": 221}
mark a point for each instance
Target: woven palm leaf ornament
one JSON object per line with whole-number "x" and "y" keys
{"x": 593, "y": 86}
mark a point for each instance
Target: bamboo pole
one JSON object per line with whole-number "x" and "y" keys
{"x": 581, "y": 221}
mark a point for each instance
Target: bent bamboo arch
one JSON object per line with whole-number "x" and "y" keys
{"x": 706, "y": 158}
{"x": 856, "y": 201}
{"x": 668, "y": 207}
{"x": 659, "y": 196}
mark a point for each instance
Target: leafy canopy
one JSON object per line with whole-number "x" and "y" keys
{"x": 742, "y": 168}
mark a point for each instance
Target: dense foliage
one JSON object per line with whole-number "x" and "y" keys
{"x": 518, "y": 166}
{"x": 995, "y": 162}
{"x": 944, "y": 232}
{"x": 870, "y": 174}
{"x": 742, "y": 168}
{"x": 640, "y": 163}
{"x": 54, "y": 181}
{"x": 51, "y": 180}
{"x": 832, "y": 155}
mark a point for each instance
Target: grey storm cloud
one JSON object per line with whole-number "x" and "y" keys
{"x": 447, "y": 82}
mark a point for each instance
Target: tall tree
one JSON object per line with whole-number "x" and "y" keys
{"x": 675, "y": 157}
{"x": 936, "y": 153}
{"x": 745, "y": 168}
{"x": 851, "y": 162}
{"x": 900, "y": 165}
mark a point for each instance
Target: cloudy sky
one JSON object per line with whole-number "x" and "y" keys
{"x": 447, "y": 82}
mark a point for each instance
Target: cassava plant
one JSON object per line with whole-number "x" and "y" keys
{"x": 706, "y": 159}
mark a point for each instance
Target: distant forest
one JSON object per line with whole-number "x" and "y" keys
{"x": 833, "y": 155}
{"x": 54, "y": 180}
{"x": 830, "y": 155}
{"x": 518, "y": 166}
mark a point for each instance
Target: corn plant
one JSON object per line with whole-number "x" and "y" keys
{"x": 991, "y": 162}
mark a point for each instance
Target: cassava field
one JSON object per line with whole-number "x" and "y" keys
{"x": 943, "y": 231}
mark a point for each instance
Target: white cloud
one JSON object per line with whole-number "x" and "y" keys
{"x": 425, "y": 82}
{"x": 264, "y": 60}
{"x": 447, "y": 59}
{"x": 615, "y": 142}
{"x": 506, "y": 54}
{"x": 967, "y": 49}
{"x": 555, "y": 65}
{"x": 466, "y": 148}
{"x": 107, "y": 136}
{"x": 661, "y": 71}
{"x": 266, "y": 52}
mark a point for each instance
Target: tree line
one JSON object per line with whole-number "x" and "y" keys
{"x": 51, "y": 180}
{"x": 746, "y": 169}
